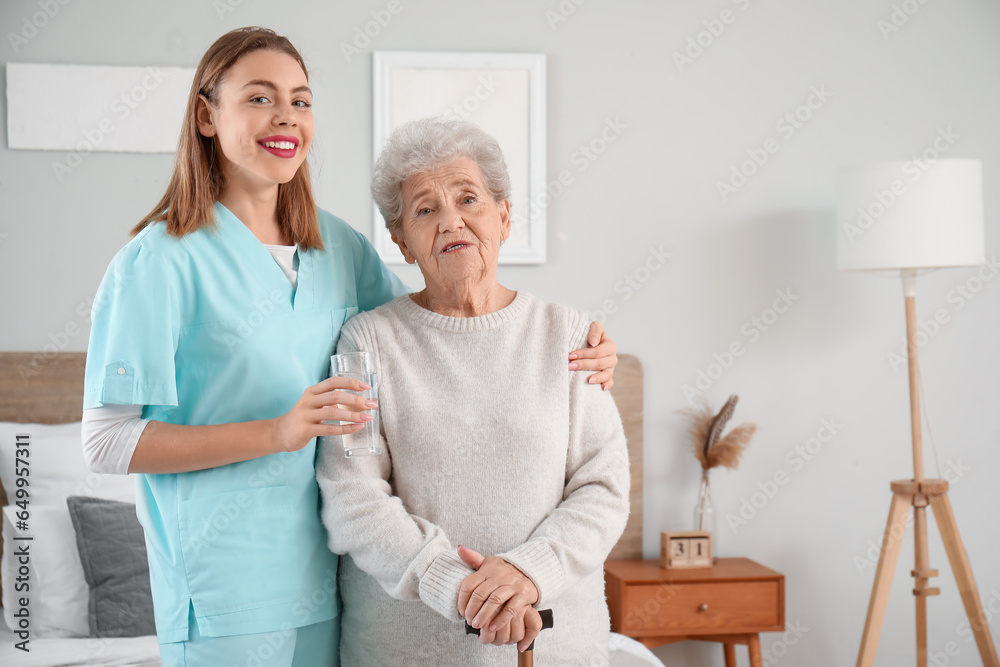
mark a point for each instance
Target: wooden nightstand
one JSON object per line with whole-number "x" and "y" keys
{"x": 731, "y": 602}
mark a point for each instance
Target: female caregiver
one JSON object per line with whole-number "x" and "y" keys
{"x": 212, "y": 329}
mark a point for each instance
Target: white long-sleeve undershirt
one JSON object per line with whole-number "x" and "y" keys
{"x": 110, "y": 434}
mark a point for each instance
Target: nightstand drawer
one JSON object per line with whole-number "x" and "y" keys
{"x": 681, "y": 608}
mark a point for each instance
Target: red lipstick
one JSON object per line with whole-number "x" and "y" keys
{"x": 280, "y": 145}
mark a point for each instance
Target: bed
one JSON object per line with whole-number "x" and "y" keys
{"x": 47, "y": 388}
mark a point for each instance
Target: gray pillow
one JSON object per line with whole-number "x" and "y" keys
{"x": 113, "y": 555}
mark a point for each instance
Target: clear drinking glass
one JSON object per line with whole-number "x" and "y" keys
{"x": 359, "y": 366}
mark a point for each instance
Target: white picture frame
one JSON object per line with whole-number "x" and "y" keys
{"x": 504, "y": 93}
{"x": 80, "y": 109}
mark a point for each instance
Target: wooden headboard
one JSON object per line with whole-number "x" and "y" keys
{"x": 37, "y": 388}
{"x": 48, "y": 389}
{"x": 628, "y": 393}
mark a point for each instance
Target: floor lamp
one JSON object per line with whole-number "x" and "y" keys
{"x": 912, "y": 217}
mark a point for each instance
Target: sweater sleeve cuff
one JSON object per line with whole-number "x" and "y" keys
{"x": 537, "y": 560}
{"x": 440, "y": 583}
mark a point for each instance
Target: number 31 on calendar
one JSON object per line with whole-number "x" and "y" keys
{"x": 689, "y": 549}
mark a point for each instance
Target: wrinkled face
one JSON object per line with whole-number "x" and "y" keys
{"x": 262, "y": 121}
{"x": 451, "y": 226}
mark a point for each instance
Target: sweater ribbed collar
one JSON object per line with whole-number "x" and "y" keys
{"x": 409, "y": 309}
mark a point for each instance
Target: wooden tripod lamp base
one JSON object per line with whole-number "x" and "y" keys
{"x": 939, "y": 225}
{"x": 907, "y": 493}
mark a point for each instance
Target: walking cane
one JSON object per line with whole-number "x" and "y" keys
{"x": 524, "y": 659}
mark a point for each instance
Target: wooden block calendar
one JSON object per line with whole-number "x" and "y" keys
{"x": 685, "y": 550}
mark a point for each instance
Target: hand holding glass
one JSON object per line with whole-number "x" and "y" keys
{"x": 359, "y": 366}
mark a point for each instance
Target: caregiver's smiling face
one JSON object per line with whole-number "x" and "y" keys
{"x": 451, "y": 225}
{"x": 262, "y": 119}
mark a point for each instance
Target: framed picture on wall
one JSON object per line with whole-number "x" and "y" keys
{"x": 504, "y": 93}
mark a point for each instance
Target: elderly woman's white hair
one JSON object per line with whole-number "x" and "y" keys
{"x": 428, "y": 143}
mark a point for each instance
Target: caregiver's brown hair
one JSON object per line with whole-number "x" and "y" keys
{"x": 198, "y": 178}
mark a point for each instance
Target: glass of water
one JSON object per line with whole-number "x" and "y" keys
{"x": 359, "y": 366}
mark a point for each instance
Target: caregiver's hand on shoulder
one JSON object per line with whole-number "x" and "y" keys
{"x": 326, "y": 401}
{"x": 600, "y": 356}
{"x": 497, "y": 600}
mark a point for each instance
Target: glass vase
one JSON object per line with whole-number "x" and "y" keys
{"x": 704, "y": 513}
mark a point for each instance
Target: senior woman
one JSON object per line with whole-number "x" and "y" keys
{"x": 489, "y": 442}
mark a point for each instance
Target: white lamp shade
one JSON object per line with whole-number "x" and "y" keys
{"x": 910, "y": 215}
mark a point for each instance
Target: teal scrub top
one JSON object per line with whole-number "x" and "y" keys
{"x": 206, "y": 329}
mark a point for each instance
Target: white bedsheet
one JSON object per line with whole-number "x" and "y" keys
{"x": 144, "y": 652}
{"x": 627, "y": 652}
{"x": 123, "y": 652}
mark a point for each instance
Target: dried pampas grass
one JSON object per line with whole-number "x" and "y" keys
{"x": 710, "y": 447}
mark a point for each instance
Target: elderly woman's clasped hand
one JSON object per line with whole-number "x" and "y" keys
{"x": 497, "y": 599}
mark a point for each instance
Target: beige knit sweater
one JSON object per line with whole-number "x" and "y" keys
{"x": 490, "y": 442}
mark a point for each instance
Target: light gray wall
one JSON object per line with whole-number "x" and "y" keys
{"x": 825, "y": 359}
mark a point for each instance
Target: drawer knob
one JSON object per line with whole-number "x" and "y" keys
{"x": 703, "y": 607}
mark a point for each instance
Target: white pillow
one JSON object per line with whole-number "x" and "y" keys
{"x": 9, "y": 566}
{"x": 57, "y": 467}
{"x": 58, "y": 590}
{"x": 57, "y": 470}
